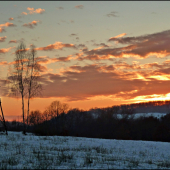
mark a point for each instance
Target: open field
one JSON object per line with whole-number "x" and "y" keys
{"x": 55, "y": 152}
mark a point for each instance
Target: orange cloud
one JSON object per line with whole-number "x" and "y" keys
{"x": 7, "y": 24}
{"x": 79, "y": 6}
{"x": 24, "y": 13}
{"x": 118, "y": 36}
{"x": 47, "y": 60}
{"x": 11, "y": 18}
{"x": 30, "y": 9}
{"x": 5, "y": 50}
{"x": 56, "y": 45}
{"x": 2, "y": 39}
{"x": 3, "y": 63}
{"x": 31, "y": 24}
{"x": 2, "y": 30}
{"x": 26, "y": 49}
{"x": 37, "y": 11}
{"x": 78, "y": 79}
{"x": 13, "y": 41}
{"x": 114, "y": 81}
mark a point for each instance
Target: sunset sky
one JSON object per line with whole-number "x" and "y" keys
{"x": 93, "y": 54}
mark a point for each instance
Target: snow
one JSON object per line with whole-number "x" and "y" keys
{"x": 58, "y": 152}
{"x": 138, "y": 115}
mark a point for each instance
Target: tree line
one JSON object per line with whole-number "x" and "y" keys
{"x": 96, "y": 123}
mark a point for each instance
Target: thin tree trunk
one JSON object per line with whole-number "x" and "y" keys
{"x": 28, "y": 110}
{"x": 30, "y": 87}
{"x": 23, "y": 115}
{"x": 3, "y": 118}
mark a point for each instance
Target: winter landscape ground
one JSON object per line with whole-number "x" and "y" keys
{"x": 18, "y": 151}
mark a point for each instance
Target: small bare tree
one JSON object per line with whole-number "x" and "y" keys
{"x": 56, "y": 108}
{"x": 35, "y": 117}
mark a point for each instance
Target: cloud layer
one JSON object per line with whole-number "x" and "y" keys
{"x": 157, "y": 44}
{"x": 56, "y": 45}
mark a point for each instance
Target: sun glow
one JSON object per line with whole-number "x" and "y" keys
{"x": 153, "y": 97}
{"x": 160, "y": 77}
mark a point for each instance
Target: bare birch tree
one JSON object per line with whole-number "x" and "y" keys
{"x": 24, "y": 77}
{"x": 33, "y": 84}
{"x": 18, "y": 76}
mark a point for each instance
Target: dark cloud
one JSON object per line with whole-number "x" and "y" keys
{"x": 63, "y": 59}
{"x": 60, "y": 7}
{"x": 81, "y": 46}
{"x": 2, "y": 39}
{"x": 73, "y": 34}
{"x": 112, "y": 14}
{"x": 31, "y": 24}
{"x": 157, "y": 44}
{"x": 83, "y": 82}
{"x": 101, "y": 44}
{"x": 11, "y": 18}
{"x": 13, "y": 41}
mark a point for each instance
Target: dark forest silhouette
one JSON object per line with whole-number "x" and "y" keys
{"x": 102, "y": 122}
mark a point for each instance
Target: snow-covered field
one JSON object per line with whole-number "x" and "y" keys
{"x": 56, "y": 152}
